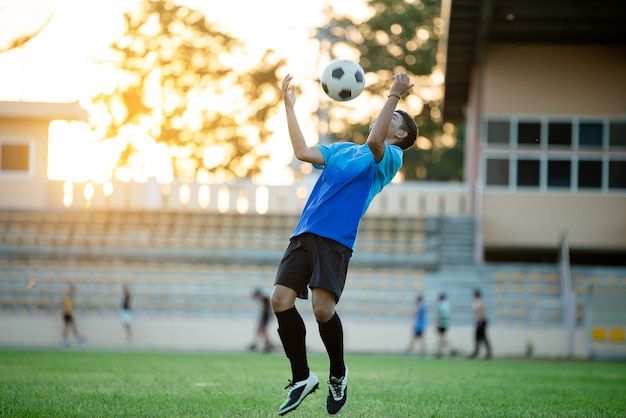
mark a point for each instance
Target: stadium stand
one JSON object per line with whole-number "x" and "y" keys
{"x": 199, "y": 263}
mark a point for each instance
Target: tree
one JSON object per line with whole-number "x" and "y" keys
{"x": 402, "y": 35}
{"x": 177, "y": 87}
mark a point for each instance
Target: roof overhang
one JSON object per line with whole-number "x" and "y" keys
{"x": 42, "y": 111}
{"x": 475, "y": 23}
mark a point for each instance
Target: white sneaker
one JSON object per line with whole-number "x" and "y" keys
{"x": 297, "y": 392}
{"x": 337, "y": 393}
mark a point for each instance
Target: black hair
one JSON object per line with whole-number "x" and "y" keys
{"x": 408, "y": 125}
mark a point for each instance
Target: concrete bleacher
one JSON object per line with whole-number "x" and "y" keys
{"x": 531, "y": 294}
{"x": 195, "y": 263}
{"x": 199, "y": 262}
{"x": 206, "y": 264}
{"x": 194, "y": 236}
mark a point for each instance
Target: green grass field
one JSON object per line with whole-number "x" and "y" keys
{"x": 60, "y": 383}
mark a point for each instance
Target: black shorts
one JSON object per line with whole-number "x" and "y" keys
{"x": 314, "y": 261}
{"x": 68, "y": 318}
{"x": 441, "y": 330}
{"x": 265, "y": 318}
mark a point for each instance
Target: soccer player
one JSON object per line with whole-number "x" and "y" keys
{"x": 480, "y": 316}
{"x": 126, "y": 314}
{"x": 443, "y": 321}
{"x": 321, "y": 244}
{"x": 418, "y": 328}
{"x": 264, "y": 318}
{"x": 69, "y": 324}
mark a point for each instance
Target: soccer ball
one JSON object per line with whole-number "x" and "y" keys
{"x": 343, "y": 80}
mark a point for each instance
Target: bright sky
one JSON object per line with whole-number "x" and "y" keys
{"x": 57, "y": 65}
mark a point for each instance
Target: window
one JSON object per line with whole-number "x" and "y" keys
{"x": 617, "y": 134}
{"x": 528, "y": 173}
{"x": 497, "y": 172}
{"x": 560, "y": 134}
{"x": 586, "y": 155}
{"x": 617, "y": 174}
{"x": 589, "y": 174}
{"x": 559, "y": 173}
{"x": 590, "y": 134}
{"x": 529, "y": 133}
{"x": 498, "y": 132}
{"x": 16, "y": 157}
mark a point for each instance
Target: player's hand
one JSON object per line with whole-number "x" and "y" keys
{"x": 401, "y": 83}
{"x": 288, "y": 91}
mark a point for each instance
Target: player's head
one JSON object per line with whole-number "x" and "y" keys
{"x": 410, "y": 127}
{"x": 419, "y": 299}
{"x": 477, "y": 293}
{"x": 403, "y": 130}
{"x": 442, "y": 296}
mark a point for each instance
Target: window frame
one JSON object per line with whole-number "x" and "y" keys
{"x": 19, "y": 174}
{"x": 544, "y": 153}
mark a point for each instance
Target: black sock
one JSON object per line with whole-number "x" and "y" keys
{"x": 331, "y": 333}
{"x": 292, "y": 334}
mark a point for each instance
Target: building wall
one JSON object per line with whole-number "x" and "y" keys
{"x": 538, "y": 220}
{"x": 549, "y": 81}
{"x": 26, "y": 190}
{"x": 554, "y": 80}
{"x": 235, "y": 334}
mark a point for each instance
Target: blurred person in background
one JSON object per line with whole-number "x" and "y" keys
{"x": 264, "y": 318}
{"x": 69, "y": 324}
{"x": 480, "y": 318}
{"x": 126, "y": 314}
{"x": 443, "y": 322}
{"x": 418, "y": 328}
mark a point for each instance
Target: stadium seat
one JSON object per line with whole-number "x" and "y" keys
{"x": 617, "y": 334}
{"x": 553, "y": 290}
{"x": 598, "y": 333}
{"x": 612, "y": 280}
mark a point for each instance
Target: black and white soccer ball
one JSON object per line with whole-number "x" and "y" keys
{"x": 343, "y": 80}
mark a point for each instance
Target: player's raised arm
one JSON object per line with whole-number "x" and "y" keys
{"x": 380, "y": 129}
{"x": 300, "y": 148}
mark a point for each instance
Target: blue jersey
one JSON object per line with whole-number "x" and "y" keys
{"x": 350, "y": 179}
{"x": 420, "y": 321}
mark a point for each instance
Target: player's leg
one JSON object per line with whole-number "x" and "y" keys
{"x": 65, "y": 332}
{"x": 477, "y": 340}
{"x": 292, "y": 278}
{"x": 422, "y": 340}
{"x": 79, "y": 338}
{"x": 292, "y": 332}
{"x": 330, "y": 328}
{"x": 331, "y": 333}
{"x": 330, "y": 269}
{"x": 409, "y": 349}
{"x": 484, "y": 338}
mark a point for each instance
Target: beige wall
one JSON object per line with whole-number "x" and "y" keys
{"x": 525, "y": 219}
{"x": 235, "y": 334}
{"x": 554, "y": 80}
{"x": 27, "y": 192}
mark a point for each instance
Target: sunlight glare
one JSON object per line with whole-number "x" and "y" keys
{"x": 184, "y": 194}
{"x": 204, "y": 196}
{"x": 261, "y": 200}
{"x": 42, "y": 72}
